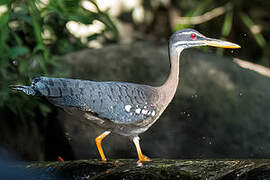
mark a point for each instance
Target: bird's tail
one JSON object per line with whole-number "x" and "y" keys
{"x": 29, "y": 90}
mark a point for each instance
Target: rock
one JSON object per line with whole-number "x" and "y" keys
{"x": 220, "y": 109}
{"x": 156, "y": 169}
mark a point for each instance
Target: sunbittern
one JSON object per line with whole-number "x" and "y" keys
{"x": 123, "y": 108}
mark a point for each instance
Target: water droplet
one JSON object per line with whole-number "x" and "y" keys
{"x": 15, "y": 63}
{"x": 232, "y": 51}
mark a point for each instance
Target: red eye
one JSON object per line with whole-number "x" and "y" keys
{"x": 193, "y": 36}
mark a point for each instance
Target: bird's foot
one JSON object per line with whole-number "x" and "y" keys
{"x": 143, "y": 158}
{"x": 103, "y": 160}
{"x": 59, "y": 158}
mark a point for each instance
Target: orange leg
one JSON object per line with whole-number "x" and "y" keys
{"x": 139, "y": 151}
{"x": 60, "y": 159}
{"x": 98, "y": 143}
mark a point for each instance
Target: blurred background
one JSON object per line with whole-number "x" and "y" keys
{"x": 60, "y": 38}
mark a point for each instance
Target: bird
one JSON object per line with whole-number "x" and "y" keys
{"x": 123, "y": 108}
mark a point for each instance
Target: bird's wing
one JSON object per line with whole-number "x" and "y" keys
{"x": 122, "y": 103}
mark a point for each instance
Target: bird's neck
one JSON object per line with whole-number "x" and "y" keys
{"x": 168, "y": 89}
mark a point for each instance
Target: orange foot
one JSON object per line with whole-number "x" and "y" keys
{"x": 103, "y": 160}
{"x": 60, "y": 159}
{"x": 143, "y": 158}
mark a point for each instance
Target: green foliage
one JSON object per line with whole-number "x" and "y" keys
{"x": 226, "y": 28}
{"x": 26, "y": 52}
{"x": 250, "y": 24}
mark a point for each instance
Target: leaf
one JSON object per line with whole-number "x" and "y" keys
{"x": 42, "y": 64}
{"x": 251, "y": 25}
{"x": 4, "y": 29}
{"x": 104, "y": 18}
{"x": 18, "y": 51}
{"x": 227, "y": 25}
{"x": 4, "y": 2}
{"x": 198, "y": 9}
{"x": 201, "y": 7}
{"x": 36, "y": 22}
{"x": 38, "y": 48}
{"x": 226, "y": 29}
{"x": 183, "y": 26}
{"x": 23, "y": 67}
{"x": 81, "y": 19}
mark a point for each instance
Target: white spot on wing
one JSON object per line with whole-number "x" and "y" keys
{"x": 144, "y": 111}
{"x": 138, "y": 111}
{"x": 127, "y": 108}
{"x": 153, "y": 113}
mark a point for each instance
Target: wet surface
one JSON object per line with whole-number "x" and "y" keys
{"x": 155, "y": 169}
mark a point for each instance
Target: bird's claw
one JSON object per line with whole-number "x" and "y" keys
{"x": 103, "y": 161}
{"x": 143, "y": 158}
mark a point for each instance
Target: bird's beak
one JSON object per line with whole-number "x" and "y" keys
{"x": 220, "y": 43}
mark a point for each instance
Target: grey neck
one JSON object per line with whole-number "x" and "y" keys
{"x": 168, "y": 89}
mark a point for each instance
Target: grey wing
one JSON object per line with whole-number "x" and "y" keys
{"x": 60, "y": 91}
{"x": 121, "y": 103}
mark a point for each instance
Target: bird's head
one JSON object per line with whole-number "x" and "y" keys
{"x": 187, "y": 38}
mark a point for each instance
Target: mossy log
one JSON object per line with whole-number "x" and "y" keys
{"x": 155, "y": 169}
